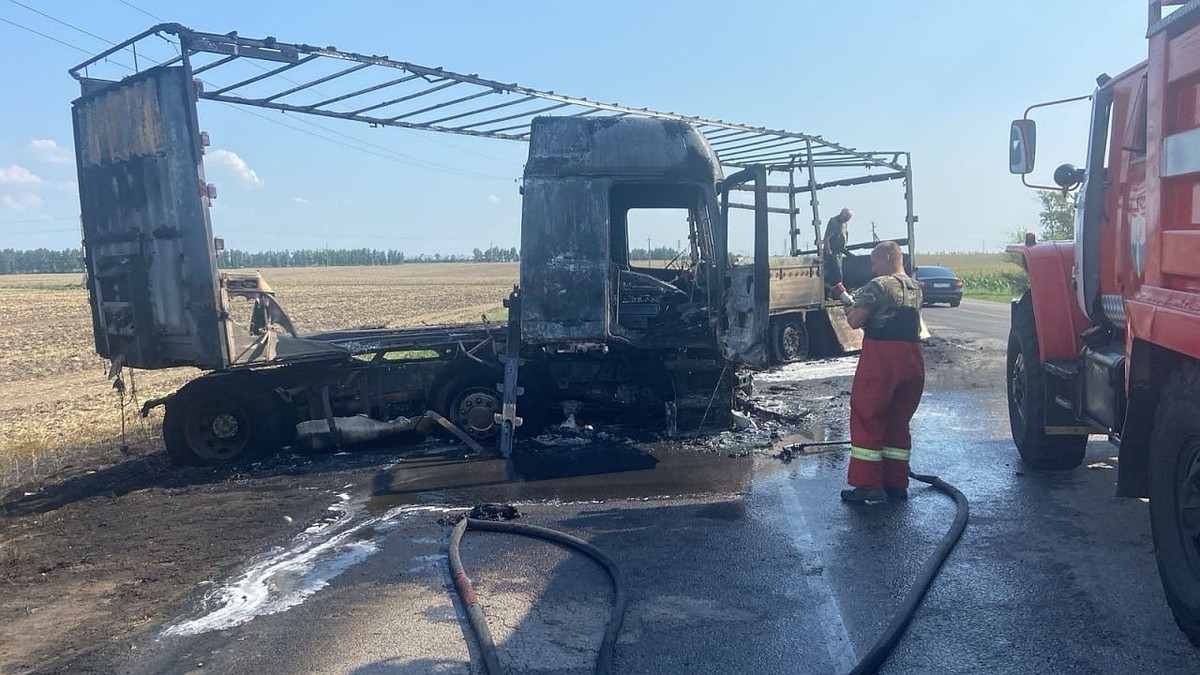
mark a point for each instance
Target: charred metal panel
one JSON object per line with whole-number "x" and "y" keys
{"x": 567, "y": 270}
{"x": 621, "y": 147}
{"x": 849, "y": 339}
{"x": 795, "y": 284}
{"x": 745, "y": 315}
{"x": 564, "y": 260}
{"x": 147, "y": 240}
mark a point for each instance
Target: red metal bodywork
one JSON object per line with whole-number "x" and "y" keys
{"x": 1161, "y": 290}
{"x": 1150, "y": 233}
{"x": 1050, "y": 268}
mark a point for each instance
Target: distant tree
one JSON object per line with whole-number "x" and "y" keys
{"x": 40, "y": 261}
{"x": 1057, "y": 216}
{"x": 656, "y": 253}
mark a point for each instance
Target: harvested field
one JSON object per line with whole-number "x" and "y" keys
{"x": 58, "y": 407}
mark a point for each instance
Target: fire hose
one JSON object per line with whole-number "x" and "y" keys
{"x": 475, "y": 615}
{"x": 870, "y": 663}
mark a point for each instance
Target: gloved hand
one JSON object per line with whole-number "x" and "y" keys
{"x": 839, "y": 293}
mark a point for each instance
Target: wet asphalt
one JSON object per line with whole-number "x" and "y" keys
{"x": 733, "y": 564}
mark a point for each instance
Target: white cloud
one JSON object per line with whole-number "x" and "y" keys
{"x": 493, "y": 199}
{"x": 302, "y": 200}
{"x": 238, "y": 166}
{"x": 22, "y": 203}
{"x": 18, "y": 175}
{"x": 49, "y": 151}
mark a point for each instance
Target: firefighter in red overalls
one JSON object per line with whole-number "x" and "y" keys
{"x": 888, "y": 381}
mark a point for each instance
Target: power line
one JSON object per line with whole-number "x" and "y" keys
{"x": 133, "y": 6}
{"x": 392, "y": 154}
{"x": 37, "y": 220}
{"x": 285, "y": 78}
{"x": 48, "y": 37}
{"x": 432, "y": 165}
{"x": 62, "y": 42}
{"x": 60, "y": 21}
{"x": 60, "y": 229}
{"x": 386, "y": 153}
{"x": 345, "y": 106}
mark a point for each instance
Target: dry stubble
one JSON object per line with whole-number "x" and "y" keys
{"x": 57, "y": 405}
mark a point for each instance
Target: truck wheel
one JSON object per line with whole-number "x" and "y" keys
{"x": 1027, "y": 400}
{"x": 789, "y": 340}
{"x": 471, "y": 401}
{"x": 1175, "y": 497}
{"x": 221, "y": 420}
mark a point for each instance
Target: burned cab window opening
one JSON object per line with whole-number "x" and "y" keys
{"x": 661, "y": 241}
{"x": 664, "y": 216}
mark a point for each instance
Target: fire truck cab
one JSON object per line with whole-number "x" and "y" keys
{"x": 1107, "y": 339}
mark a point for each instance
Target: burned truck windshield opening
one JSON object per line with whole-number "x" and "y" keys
{"x": 653, "y": 225}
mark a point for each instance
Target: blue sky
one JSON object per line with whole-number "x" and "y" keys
{"x": 939, "y": 79}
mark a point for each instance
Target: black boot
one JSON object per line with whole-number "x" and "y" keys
{"x": 859, "y": 495}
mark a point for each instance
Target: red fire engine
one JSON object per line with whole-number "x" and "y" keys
{"x": 1107, "y": 339}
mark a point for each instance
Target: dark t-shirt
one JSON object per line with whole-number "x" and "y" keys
{"x": 837, "y": 232}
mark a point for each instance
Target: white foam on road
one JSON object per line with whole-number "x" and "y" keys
{"x": 286, "y": 577}
{"x": 810, "y": 370}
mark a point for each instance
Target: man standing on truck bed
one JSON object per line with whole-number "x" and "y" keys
{"x": 833, "y": 249}
{"x": 888, "y": 381}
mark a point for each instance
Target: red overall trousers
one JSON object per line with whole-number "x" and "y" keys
{"x": 886, "y": 392}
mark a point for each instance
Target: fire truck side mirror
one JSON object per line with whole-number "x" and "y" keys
{"x": 1022, "y": 146}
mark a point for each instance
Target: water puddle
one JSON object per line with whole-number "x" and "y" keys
{"x": 570, "y": 472}
{"x": 805, "y": 371}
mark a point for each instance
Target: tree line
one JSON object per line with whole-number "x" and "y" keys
{"x": 46, "y": 261}
{"x": 40, "y": 260}
{"x": 656, "y": 253}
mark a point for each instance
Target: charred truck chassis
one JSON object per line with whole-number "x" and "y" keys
{"x": 589, "y": 330}
{"x": 394, "y": 377}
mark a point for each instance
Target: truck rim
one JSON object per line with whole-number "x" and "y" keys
{"x": 217, "y": 430}
{"x": 477, "y": 411}
{"x": 1017, "y": 383}
{"x": 1188, "y": 500}
{"x": 791, "y": 341}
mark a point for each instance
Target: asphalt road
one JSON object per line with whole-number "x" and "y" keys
{"x": 734, "y": 562}
{"x": 973, "y": 318}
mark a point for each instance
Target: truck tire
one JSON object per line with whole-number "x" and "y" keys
{"x": 789, "y": 339}
{"x": 470, "y": 399}
{"x": 1175, "y": 497}
{"x": 1027, "y": 400}
{"x": 221, "y": 420}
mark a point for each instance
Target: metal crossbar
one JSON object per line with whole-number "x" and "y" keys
{"x": 372, "y": 93}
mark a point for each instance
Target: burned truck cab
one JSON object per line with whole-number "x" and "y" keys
{"x": 579, "y": 281}
{"x": 607, "y": 326}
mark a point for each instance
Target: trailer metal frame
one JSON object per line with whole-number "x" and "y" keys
{"x": 384, "y": 92}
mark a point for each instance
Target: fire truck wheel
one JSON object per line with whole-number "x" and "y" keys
{"x": 789, "y": 340}
{"x": 1027, "y": 400}
{"x": 1175, "y": 497}
{"x": 221, "y": 420}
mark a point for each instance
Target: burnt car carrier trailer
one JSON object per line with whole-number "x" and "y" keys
{"x": 588, "y": 326}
